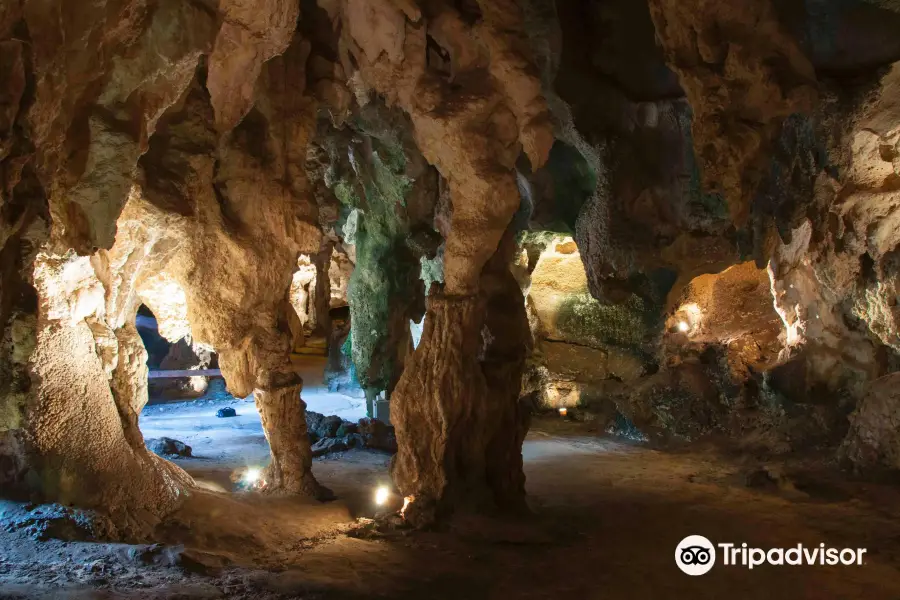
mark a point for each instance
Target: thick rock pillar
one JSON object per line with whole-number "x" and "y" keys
{"x": 507, "y": 344}
{"x": 440, "y": 414}
{"x": 260, "y": 365}
{"x": 283, "y": 416}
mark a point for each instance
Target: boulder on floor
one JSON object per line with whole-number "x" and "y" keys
{"x": 377, "y": 435}
{"x": 328, "y": 445}
{"x": 321, "y": 425}
{"x": 168, "y": 447}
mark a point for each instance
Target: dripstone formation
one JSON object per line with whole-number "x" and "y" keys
{"x": 677, "y": 218}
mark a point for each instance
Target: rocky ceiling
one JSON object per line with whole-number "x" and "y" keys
{"x": 695, "y": 200}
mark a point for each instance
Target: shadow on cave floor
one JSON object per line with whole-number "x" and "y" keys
{"x": 606, "y": 520}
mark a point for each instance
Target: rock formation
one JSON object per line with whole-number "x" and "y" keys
{"x": 674, "y": 217}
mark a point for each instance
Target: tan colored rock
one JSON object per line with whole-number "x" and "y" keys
{"x": 734, "y": 303}
{"x": 874, "y": 436}
{"x": 208, "y": 238}
{"x": 569, "y": 350}
{"x": 303, "y": 290}
{"x": 873, "y": 159}
{"x": 557, "y": 276}
{"x": 339, "y": 271}
{"x": 473, "y": 139}
{"x": 743, "y": 76}
{"x": 91, "y": 383}
{"x": 140, "y": 73}
{"x": 244, "y": 314}
{"x": 165, "y": 297}
{"x": 440, "y": 411}
{"x": 252, "y": 33}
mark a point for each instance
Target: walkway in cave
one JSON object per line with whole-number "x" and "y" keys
{"x": 607, "y": 517}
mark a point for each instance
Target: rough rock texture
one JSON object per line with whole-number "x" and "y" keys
{"x": 441, "y": 413}
{"x": 136, "y": 189}
{"x": 874, "y": 438}
{"x": 183, "y": 355}
{"x": 73, "y": 365}
{"x": 743, "y": 75}
{"x": 251, "y": 34}
{"x": 245, "y": 315}
{"x": 185, "y": 155}
{"x": 473, "y": 139}
{"x": 580, "y": 342}
{"x": 506, "y": 344}
{"x": 475, "y": 103}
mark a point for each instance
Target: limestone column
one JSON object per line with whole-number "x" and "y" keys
{"x": 440, "y": 414}
{"x": 507, "y": 344}
{"x": 261, "y": 365}
{"x": 283, "y": 416}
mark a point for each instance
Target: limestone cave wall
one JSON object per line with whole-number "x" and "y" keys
{"x": 677, "y": 218}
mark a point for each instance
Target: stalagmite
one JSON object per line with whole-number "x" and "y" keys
{"x": 675, "y": 220}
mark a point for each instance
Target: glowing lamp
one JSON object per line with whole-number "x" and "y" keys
{"x": 381, "y": 495}
{"x": 251, "y": 477}
{"x": 563, "y": 411}
{"x": 683, "y": 326}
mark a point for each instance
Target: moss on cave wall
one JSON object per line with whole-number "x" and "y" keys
{"x": 562, "y": 301}
{"x": 585, "y": 320}
{"x": 382, "y": 273}
{"x": 369, "y": 176}
{"x": 14, "y": 384}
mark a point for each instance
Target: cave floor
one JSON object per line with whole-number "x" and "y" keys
{"x": 606, "y": 519}
{"x": 222, "y": 445}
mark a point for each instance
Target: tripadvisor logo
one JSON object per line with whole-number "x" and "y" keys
{"x": 696, "y": 555}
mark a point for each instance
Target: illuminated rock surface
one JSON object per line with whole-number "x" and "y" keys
{"x": 678, "y": 219}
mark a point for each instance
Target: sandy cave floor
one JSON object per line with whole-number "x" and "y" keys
{"x": 221, "y": 445}
{"x": 606, "y": 519}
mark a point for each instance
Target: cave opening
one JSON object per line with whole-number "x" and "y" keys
{"x": 190, "y": 417}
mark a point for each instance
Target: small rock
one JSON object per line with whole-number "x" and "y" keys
{"x": 313, "y": 421}
{"x": 378, "y": 435}
{"x": 329, "y": 426}
{"x": 328, "y": 445}
{"x": 346, "y": 428}
{"x": 354, "y": 440}
{"x": 226, "y": 412}
{"x": 165, "y": 446}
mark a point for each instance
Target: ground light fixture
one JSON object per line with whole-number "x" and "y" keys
{"x": 683, "y": 326}
{"x": 252, "y": 476}
{"x": 382, "y": 493}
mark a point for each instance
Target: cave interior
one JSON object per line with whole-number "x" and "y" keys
{"x": 448, "y": 298}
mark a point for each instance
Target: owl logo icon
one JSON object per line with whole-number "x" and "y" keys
{"x": 695, "y": 555}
